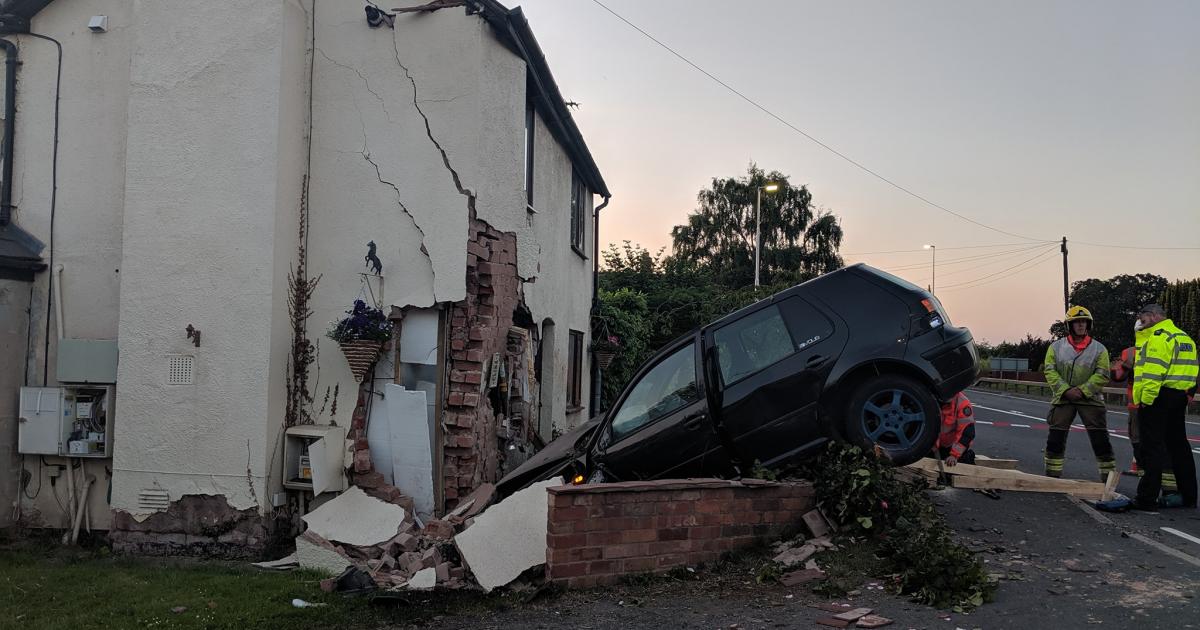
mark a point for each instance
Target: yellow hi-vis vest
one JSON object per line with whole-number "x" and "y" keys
{"x": 1166, "y": 357}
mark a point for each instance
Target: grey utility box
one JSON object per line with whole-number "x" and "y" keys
{"x": 87, "y": 361}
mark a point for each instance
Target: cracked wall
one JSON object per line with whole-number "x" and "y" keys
{"x": 415, "y": 129}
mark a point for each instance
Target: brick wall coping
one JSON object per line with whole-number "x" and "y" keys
{"x": 675, "y": 484}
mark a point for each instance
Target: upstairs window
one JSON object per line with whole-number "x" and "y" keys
{"x": 579, "y": 194}
{"x": 575, "y": 372}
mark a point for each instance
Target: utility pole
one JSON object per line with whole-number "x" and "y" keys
{"x": 1066, "y": 282}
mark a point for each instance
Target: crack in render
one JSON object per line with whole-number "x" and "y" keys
{"x": 400, "y": 202}
{"x": 462, "y": 190}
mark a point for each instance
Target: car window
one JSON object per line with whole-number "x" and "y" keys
{"x": 666, "y": 387}
{"x": 752, "y": 343}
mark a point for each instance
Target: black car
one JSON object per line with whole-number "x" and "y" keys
{"x": 856, "y": 354}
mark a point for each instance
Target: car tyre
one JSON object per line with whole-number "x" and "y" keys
{"x": 895, "y": 412}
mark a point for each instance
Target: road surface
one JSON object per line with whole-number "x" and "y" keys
{"x": 1014, "y": 427}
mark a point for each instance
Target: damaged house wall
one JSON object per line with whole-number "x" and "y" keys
{"x": 414, "y": 128}
{"x": 181, "y": 158}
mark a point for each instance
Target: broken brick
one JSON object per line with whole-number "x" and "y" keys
{"x": 853, "y": 615}
{"x": 873, "y": 621}
{"x": 439, "y": 529}
{"x": 833, "y": 622}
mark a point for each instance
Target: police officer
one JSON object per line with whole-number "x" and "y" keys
{"x": 1076, "y": 370}
{"x": 1164, "y": 376}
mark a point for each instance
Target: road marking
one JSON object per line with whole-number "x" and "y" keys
{"x": 1171, "y": 551}
{"x": 1044, "y": 402}
{"x": 1180, "y": 534}
{"x": 983, "y": 422}
{"x": 1015, "y": 413}
{"x": 1024, "y": 426}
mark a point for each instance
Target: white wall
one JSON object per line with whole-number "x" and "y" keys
{"x": 213, "y": 172}
{"x": 90, "y": 198}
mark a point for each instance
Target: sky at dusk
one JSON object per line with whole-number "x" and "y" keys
{"x": 1043, "y": 119}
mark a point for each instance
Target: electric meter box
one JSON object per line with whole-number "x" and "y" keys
{"x": 314, "y": 458}
{"x": 70, "y": 420}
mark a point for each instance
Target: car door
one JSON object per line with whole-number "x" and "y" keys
{"x": 772, "y": 364}
{"x": 660, "y": 426}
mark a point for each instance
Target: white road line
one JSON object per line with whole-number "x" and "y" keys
{"x": 1013, "y": 413}
{"x": 983, "y": 422}
{"x": 1024, "y": 426}
{"x": 1181, "y": 534}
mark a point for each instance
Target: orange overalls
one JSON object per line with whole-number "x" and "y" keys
{"x": 958, "y": 430}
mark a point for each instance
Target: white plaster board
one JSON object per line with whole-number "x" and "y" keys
{"x": 379, "y": 440}
{"x": 423, "y": 580}
{"x": 419, "y": 337}
{"x": 508, "y": 537}
{"x": 317, "y": 558}
{"x": 356, "y": 518}
{"x": 412, "y": 461}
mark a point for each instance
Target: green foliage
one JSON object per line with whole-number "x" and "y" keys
{"x": 798, "y": 240}
{"x": 1181, "y": 300}
{"x": 1114, "y": 304}
{"x": 625, "y": 316}
{"x": 863, "y": 494}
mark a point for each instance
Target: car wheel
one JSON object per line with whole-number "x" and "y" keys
{"x": 895, "y": 412}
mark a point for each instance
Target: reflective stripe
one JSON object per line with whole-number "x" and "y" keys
{"x": 1185, "y": 362}
{"x": 1148, "y": 377}
{"x": 1155, "y": 361}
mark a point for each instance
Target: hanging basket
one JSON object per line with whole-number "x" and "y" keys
{"x": 604, "y": 358}
{"x": 361, "y": 355}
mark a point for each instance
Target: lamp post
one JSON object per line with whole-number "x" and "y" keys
{"x": 933, "y": 250}
{"x": 757, "y": 226}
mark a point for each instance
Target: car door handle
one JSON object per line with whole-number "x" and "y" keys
{"x": 815, "y": 361}
{"x": 693, "y": 422}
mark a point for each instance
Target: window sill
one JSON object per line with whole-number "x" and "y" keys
{"x": 573, "y": 410}
{"x": 530, "y": 209}
{"x": 578, "y": 252}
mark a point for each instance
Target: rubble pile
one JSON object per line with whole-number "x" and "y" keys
{"x": 374, "y": 530}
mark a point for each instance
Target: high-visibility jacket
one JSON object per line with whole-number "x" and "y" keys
{"x": 1122, "y": 372}
{"x": 1087, "y": 369}
{"x": 958, "y": 426}
{"x": 1166, "y": 357}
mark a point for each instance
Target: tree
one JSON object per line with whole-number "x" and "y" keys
{"x": 1181, "y": 300}
{"x": 1114, "y": 304}
{"x": 799, "y": 242}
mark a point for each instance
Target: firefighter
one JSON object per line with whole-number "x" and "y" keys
{"x": 1122, "y": 372}
{"x": 1076, "y": 370}
{"x": 958, "y": 431}
{"x": 1164, "y": 377}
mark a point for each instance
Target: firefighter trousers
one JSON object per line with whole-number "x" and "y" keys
{"x": 1095, "y": 420}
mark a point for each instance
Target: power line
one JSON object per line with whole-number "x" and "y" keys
{"x": 954, "y": 261}
{"x": 914, "y": 251}
{"x": 991, "y": 277}
{"x": 805, "y": 134}
{"x": 1130, "y": 246}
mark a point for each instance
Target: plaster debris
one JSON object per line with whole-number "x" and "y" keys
{"x": 424, "y": 579}
{"x": 509, "y": 537}
{"x": 796, "y": 555}
{"x": 317, "y": 554}
{"x": 282, "y": 564}
{"x": 356, "y": 518}
{"x": 873, "y": 621}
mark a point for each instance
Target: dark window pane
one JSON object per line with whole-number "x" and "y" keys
{"x": 666, "y": 387}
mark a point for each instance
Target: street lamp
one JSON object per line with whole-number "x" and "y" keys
{"x": 933, "y": 250}
{"x": 757, "y": 224}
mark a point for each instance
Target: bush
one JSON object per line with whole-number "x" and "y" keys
{"x": 925, "y": 563}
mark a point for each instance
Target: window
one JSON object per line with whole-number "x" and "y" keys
{"x": 578, "y": 212}
{"x": 752, "y": 343}
{"x": 529, "y": 129}
{"x": 667, "y": 387}
{"x": 575, "y": 372}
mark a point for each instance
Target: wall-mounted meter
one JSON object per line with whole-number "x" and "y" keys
{"x": 72, "y": 420}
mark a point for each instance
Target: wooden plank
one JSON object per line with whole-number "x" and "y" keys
{"x": 1033, "y": 483}
{"x": 1110, "y": 486}
{"x": 989, "y": 462}
{"x": 965, "y": 470}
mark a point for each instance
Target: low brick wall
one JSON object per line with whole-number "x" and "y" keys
{"x": 599, "y": 532}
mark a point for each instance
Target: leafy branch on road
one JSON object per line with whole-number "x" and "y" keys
{"x": 863, "y": 495}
